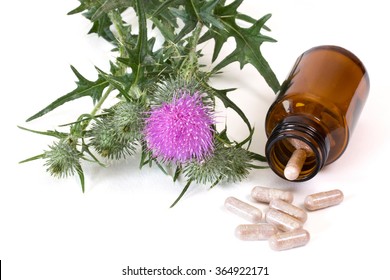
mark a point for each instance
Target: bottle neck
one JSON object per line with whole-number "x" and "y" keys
{"x": 282, "y": 142}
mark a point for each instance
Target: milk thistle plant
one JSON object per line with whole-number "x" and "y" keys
{"x": 165, "y": 106}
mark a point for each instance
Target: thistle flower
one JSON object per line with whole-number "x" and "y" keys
{"x": 180, "y": 130}
{"x": 63, "y": 159}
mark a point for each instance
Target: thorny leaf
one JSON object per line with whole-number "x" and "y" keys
{"x": 248, "y": 42}
{"x": 53, "y": 133}
{"x": 248, "y": 51}
{"x": 110, "y": 5}
{"x": 84, "y": 88}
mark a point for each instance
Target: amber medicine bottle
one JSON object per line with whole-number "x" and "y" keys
{"x": 309, "y": 124}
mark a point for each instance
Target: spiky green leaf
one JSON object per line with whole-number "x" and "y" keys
{"x": 53, "y": 133}
{"x": 248, "y": 41}
{"x": 85, "y": 87}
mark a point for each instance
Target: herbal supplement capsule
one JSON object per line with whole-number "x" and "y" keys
{"x": 323, "y": 199}
{"x": 263, "y": 194}
{"x": 243, "y": 209}
{"x": 288, "y": 240}
{"x": 282, "y": 220}
{"x": 289, "y": 209}
{"x": 297, "y": 160}
{"x": 294, "y": 165}
{"x": 255, "y": 231}
{"x": 318, "y": 105}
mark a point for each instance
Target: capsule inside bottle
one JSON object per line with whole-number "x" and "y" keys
{"x": 298, "y": 158}
{"x": 295, "y": 158}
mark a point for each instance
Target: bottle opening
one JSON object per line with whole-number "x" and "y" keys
{"x": 296, "y": 152}
{"x": 281, "y": 159}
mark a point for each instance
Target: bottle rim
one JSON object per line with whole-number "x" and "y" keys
{"x": 299, "y": 128}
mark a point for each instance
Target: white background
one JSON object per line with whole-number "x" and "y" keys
{"x": 50, "y": 230}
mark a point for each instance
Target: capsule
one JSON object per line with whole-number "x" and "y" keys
{"x": 294, "y": 165}
{"x": 243, "y": 209}
{"x": 264, "y": 194}
{"x": 297, "y": 160}
{"x": 288, "y": 240}
{"x": 323, "y": 199}
{"x": 282, "y": 220}
{"x": 254, "y": 232}
{"x": 289, "y": 209}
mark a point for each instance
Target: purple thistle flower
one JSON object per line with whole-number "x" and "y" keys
{"x": 181, "y": 130}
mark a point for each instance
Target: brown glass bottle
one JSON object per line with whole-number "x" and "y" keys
{"x": 317, "y": 107}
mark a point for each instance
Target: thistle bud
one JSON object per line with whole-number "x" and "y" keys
{"x": 63, "y": 159}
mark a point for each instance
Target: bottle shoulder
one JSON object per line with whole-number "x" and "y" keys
{"x": 309, "y": 106}
{"x": 322, "y": 112}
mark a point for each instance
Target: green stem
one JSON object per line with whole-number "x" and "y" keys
{"x": 116, "y": 19}
{"x": 195, "y": 39}
{"x": 196, "y": 11}
{"x": 191, "y": 64}
{"x": 142, "y": 41}
{"x": 95, "y": 109}
{"x": 117, "y": 22}
{"x": 101, "y": 101}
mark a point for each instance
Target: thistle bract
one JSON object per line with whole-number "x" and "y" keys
{"x": 231, "y": 164}
{"x": 116, "y": 135}
{"x": 62, "y": 159}
{"x": 180, "y": 130}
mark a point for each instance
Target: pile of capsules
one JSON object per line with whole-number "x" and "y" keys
{"x": 283, "y": 226}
